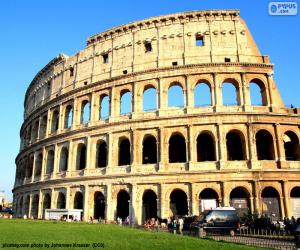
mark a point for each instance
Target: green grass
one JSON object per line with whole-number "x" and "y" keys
{"x": 113, "y": 236}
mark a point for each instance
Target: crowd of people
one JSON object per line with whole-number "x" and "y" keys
{"x": 173, "y": 224}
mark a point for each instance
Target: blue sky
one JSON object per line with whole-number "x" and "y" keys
{"x": 33, "y": 32}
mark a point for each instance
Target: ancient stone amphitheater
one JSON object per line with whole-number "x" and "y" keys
{"x": 82, "y": 147}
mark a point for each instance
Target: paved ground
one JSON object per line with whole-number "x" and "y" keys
{"x": 255, "y": 241}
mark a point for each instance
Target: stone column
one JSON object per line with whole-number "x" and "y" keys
{"x": 221, "y": 146}
{"x": 256, "y": 198}
{"x": 189, "y": 104}
{"x": 113, "y": 104}
{"x": 60, "y": 120}
{"x": 282, "y": 207}
{"x": 111, "y": 150}
{"x": 225, "y": 194}
{"x": 279, "y": 146}
{"x": 53, "y": 199}
{"x": 93, "y": 110}
{"x": 68, "y": 198}
{"x": 164, "y": 203}
{"x": 56, "y": 161}
{"x": 270, "y": 88}
{"x": 163, "y": 151}
{"x": 70, "y": 158}
{"x": 75, "y": 114}
{"x": 40, "y": 205}
{"x": 195, "y": 201}
{"x": 286, "y": 198}
{"x": 217, "y": 92}
{"x": 29, "y": 206}
{"x": 88, "y": 155}
{"x": 109, "y": 207}
{"x": 246, "y": 93}
{"x": 252, "y": 147}
{"x": 86, "y": 204}
{"x": 48, "y": 125}
{"x": 162, "y": 97}
{"x": 134, "y": 210}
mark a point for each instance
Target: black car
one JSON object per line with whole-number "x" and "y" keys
{"x": 218, "y": 220}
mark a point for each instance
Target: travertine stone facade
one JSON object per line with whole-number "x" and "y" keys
{"x": 169, "y": 160}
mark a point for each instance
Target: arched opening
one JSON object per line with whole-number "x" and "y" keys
{"x": 38, "y": 165}
{"x": 208, "y": 199}
{"x": 27, "y": 205}
{"x": 81, "y": 156}
{"x": 230, "y": 94}
{"x": 63, "y": 161}
{"x": 20, "y": 207}
{"x": 99, "y": 205}
{"x": 175, "y": 96}
{"x": 43, "y": 127}
{"x": 68, "y": 117}
{"x": 29, "y": 167}
{"x": 202, "y": 96}
{"x": 101, "y": 154}
{"x": 149, "y": 99}
{"x": 85, "y": 112}
{"x": 177, "y": 149}
{"x": 258, "y": 94}
{"x": 124, "y": 152}
{"x": 178, "y": 203}
{"x": 46, "y": 203}
{"x": 295, "y": 202}
{"x": 291, "y": 146}
{"x": 50, "y": 162}
{"x": 149, "y": 205}
{"x": 78, "y": 201}
{"x": 240, "y": 200}
{"x": 61, "y": 201}
{"x": 123, "y": 204}
{"x": 55, "y": 121}
{"x": 235, "y": 146}
{"x": 35, "y": 206}
{"x": 205, "y": 147}
{"x": 149, "y": 150}
{"x": 270, "y": 203}
{"x": 264, "y": 145}
{"x": 126, "y": 102}
{"x": 35, "y": 130}
{"x": 104, "y": 107}
{"x": 28, "y": 135}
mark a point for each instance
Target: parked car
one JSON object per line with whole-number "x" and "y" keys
{"x": 221, "y": 220}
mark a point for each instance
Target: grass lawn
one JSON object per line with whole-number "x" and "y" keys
{"x": 112, "y": 236}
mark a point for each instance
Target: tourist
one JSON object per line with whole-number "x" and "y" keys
{"x": 180, "y": 222}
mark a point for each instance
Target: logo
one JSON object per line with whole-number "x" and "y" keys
{"x": 283, "y": 8}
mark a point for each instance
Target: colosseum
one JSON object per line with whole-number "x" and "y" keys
{"x": 163, "y": 154}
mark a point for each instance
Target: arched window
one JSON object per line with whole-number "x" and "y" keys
{"x": 29, "y": 166}
{"x": 101, "y": 154}
{"x": 104, "y": 107}
{"x": 149, "y": 205}
{"x": 43, "y": 127}
{"x": 175, "y": 96}
{"x": 50, "y": 162}
{"x": 295, "y": 199}
{"x": 126, "y": 102}
{"x": 78, "y": 201}
{"x": 291, "y": 146}
{"x": 202, "y": 95}
{"x": 178, "y": 203}
{"x": 61, "y": 201}
{"x": 35, "y": 206}
{"x": 235, "y": 146}
{"x": 85, "y": 112}
{"x": 177, "y": 149}
{"x": 123, "y": 199}
{"x": 35, "y": 130}
{"x": 149, "y": 99}
{"x": 99, "y": 205}
{"x": 46, "y": 203}
{"x": 149, "y": 150}
{"x": 68, "y": 117}
{"x": 27, "y": 205}
{"x": 124, "y": 152}
{"x": 258, "y": 93}
{"x": 240, "y": 200}
{"x": 81, "y": 156}
{"x": 264, "y": 145}
{"x": 270, "y": 203}
{"x": 230, "y": 94}
{"x": 28, "y": 135}
{"x": 205, "y": 147}
{"x": 209, "y": 199}
{"x": 63, "y": 161}
{"x": 38, "y": 165}
{"x": 55, "y": 121}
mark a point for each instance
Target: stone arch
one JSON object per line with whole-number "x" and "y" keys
{"x": 264, "y": 145}
{"x": 202, "y": 94}
{"x": 235, "y": 144}
{"x": 68, "y": 116}
{"x": 178, "y": 203}
{"x": 54, "y": 121}
{"x": 50, "y": 162}
{"x": 270, "y": 205}
{"x": 81, "y": 156}
{"x": 63, "y": 160}
{"x": 85, "y": 115}
{"x": 20, "y": 206}
{"x": 206, "y": 147}
{"x": 149, "y": 209}
{"x": 99, "y": 205}
{"x": 240, "y": 200}
{"x": 125, "y": 102}
{"x": 177, "y": 148}
{"x": 291, "y": 146}
{"x": 38, "y": 165}
{"x": 176, "y": 95}
{"x": 101, "y": 149}
{"x": 61, "y": 201}
{"x": 104, "y": 106}
{"x": 43, "y": 127}
{"x": 46, "y": 203}
{"x": 208, "y": 199}
{"x": 27, "y": 205}
{"x": 258, "y": 93}
{"x": 78, "y": 201}
{"x": 149, "y": 98}
{"x": 35, "y": 206}
{"x": 295, "y": 201}
{"x": 124, "y": 152}
{"x": 123, "y": 199}
{"x": 29, "y": 166}
{"x": 230, "y": 92}
{"x": 35, "y": 129}
{"x": 149, "y": 149}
